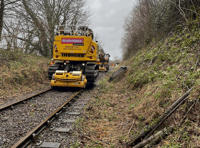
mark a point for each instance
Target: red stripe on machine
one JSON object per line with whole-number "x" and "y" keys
{"x": 71, "y": 40}
{"x": 93, "y": 48}
{"x": 55, "y": 47}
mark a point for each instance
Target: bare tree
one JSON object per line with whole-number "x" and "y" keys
{"x": 153, "y": 20}
{"x": 1, "y": 16}
{"x": 136, "y": 27}
{"x": 36, "y": 21}
{"x": 100, "y": 43}
{"x": 3, "y": 8}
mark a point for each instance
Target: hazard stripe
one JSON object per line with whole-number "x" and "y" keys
{"x": 93, "y": 48}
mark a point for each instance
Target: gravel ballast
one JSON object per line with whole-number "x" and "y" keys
{"x": 17, "y": 122}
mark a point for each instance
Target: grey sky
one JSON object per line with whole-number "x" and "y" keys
{"x": 107, "y": 22}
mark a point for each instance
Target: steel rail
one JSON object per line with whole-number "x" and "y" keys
{"x": 31, "y": 136}
{"x": 27, "y": 98}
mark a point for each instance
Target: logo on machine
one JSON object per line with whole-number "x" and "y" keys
{"x": 72, "y": 41}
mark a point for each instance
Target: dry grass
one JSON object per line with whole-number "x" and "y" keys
{"x": 121, "y": 109}
{"x": 23, "y": 74}
{"x": 116, "y": 114}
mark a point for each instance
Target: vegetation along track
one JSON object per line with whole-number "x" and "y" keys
{"x": 16, "y": 122}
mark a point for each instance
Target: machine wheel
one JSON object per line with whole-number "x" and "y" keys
{"x": 107, "y": 68}
{"x": 53, "y": 77}
{"x": 84, "y": 86}
{"x": 52, "y": 69}
{"x": 83, "y": 78}
{"x": 91, "y": 72}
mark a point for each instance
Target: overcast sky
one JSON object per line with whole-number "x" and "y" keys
{"x": 107, "y": 21}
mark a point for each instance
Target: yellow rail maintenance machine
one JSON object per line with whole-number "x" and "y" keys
{"x": 74, "y": 58}
{"x": 103, "y": 62}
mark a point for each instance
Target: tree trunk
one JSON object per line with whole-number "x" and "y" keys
{"x": 43, "y": 36}
{"x": 1, "y": 16}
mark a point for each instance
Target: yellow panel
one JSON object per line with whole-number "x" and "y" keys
{"x": 102, "y": 69}
{"x": 75, "y": 48}
{"x": 68, "y": 80}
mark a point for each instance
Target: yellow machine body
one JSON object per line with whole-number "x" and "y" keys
{"x": 75, "y": 48}
{"x": 68, "y": 79}
{"x": 76, "y": 54}
{"x": 103, "y": 61}
{"x": 102, "y": 68}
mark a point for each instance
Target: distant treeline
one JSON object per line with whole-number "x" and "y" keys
{"x": 29, "y": 24}
{"x": 152, "y": 20}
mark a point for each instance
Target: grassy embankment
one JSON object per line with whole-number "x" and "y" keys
{"x": 157, "y": 76}
{"x": 21, "y": 73}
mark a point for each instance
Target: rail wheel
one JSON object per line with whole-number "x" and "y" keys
{"x": 52, "y": 69}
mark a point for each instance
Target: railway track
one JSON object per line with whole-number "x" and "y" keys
{"x": 32, "y": 135}
{"x": 26, "y": 115}
{"x": 11, "y": 105}
{"x": 21, "y": 125}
